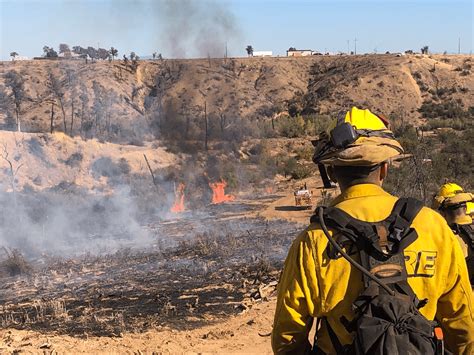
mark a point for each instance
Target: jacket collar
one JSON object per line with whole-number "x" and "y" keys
{"x": 358, "y": 191}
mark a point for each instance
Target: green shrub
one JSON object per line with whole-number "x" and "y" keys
{"x": 407, "y": 136}
{"x": 299, "y": 126}
{"x": 433, "y": 160}
{"x": 447, "y": 114}
{"x": 302, "y": 171}
{"x": 291, "y": 127}
{"x": 291, "y": 167}
{"x": 305, "y": 153}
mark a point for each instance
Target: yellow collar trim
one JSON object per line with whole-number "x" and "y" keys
{"x": 358, "y": 191}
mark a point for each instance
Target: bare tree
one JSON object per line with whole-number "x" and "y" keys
{"x": 206, "y": 126}
{"x": 51, "y": 122}
{"x": 13, "y": 171}
{"x": 16, "y": 84}
{"x": 222, "y": 120}
{"x": 84, "y": 115}
{"x": 71, "y": 81}
{"x": 56, "y": 90}
{"x": 101, "y": 108}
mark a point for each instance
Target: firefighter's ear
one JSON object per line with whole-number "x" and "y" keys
{"x": 331, "y": 174}
{"x": 383, "y": 171}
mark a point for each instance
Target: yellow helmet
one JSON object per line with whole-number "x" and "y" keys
{"x": 360, "y": 139}
{"x": 470, "y": 208}
{"x": 451, "y": 195}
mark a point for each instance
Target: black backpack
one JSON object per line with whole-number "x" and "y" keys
{"x": 388, "y": 320}
{"x": 466, "y": 232}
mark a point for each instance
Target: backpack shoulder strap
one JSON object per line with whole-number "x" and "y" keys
{"x": 365, "y": 235}
{"x": 360, "y": 233}
{"x": 398, "y": 224}
{"x": 407, "y": 207}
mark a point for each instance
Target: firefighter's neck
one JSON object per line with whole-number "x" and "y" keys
{"x": 375, "y": 177}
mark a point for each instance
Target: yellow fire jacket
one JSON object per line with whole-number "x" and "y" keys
{"x": 311, "y": 286}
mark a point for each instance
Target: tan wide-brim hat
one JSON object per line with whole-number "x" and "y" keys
{"x": 374, "y": 145}
{"x": 366, "y": 151}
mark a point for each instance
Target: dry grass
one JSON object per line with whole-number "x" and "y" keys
{"x": 14, "y": 264}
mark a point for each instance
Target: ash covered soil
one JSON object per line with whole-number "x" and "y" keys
{"x": 206, "y": 284}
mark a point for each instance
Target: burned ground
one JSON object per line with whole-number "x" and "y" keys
{"x": 198, "y": 271}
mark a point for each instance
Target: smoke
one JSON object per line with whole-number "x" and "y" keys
{"x": 67, "y": 219}
{"x": 200, "y": 28}
{"x": 67, "y": 224}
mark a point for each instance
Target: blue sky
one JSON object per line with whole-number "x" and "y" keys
{"x": 146, "y": 26}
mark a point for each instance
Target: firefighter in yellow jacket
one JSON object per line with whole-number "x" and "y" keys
{"x": 453, "y": 202}
{"x": 312, "y": 287}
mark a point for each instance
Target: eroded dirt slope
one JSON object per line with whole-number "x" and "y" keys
{"x": 42, "y": 161}
{"x": 241, "y": 87}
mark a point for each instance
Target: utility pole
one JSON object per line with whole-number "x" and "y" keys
{"x": 355, "y": 46}
{"x": 459, "y": 45}
{"x": 225, "y": 54}
{"x": 206, "y": 128}
{"x": 348, "y": 49}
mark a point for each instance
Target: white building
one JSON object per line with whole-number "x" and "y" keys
{"x": 262, "y": 54}
{"x": 299, "y": 52}
{"x": 19, "y": 57}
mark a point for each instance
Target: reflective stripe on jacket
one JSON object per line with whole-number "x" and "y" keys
{"x": 313, "y": 286}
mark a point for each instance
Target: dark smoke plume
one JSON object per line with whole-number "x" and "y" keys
{"x": 196, "y": 28}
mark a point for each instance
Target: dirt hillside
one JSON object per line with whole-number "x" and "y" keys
{"x": 44, "y": 161}
{"x": 235, "y": 87}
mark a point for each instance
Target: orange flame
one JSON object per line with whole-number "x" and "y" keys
{"x": 178, "y": 199}
{"x": 218, "y": 192}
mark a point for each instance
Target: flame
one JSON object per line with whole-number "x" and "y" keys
{"x": 178, "y": 199}
{"x": 218, "y": 192}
